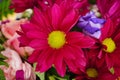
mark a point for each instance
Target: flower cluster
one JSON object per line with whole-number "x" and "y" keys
{"x": 64, "y": 39}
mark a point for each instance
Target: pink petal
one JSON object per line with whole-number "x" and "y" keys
{"x": 23, "y": 40}
{"x": 74, "y": 57}
{"x": 36, "y": 34}
{"x": 38, "y": 44}
{"x": 100, "y": 54}
{"x": 117, "y": 69}
{"x": 69, "y": 21}
{"x": 68, "y": 52}
{"x": 109, "y": 62}
{"x": 80, "y": 57}
{"x": 33, "y": 57}
{"x": 56, "y": 16}
{"x": 28, "y": 27}
{"x": 19, "y": 75}
{"x": 40, "y": 19}
{"x": 117, "y": 38}
{"x": 71, "y": 65}
{"x": 107, "y": 76}
{"x": 108, "y": 29}
{"x": 45, "y": 60}
{"x": 80, "y": 60}
{"x": 77, "y": 38}
{"x": 59, "y": 64}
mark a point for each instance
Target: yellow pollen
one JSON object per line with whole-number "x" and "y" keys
{"x": 92, "y": 73}
{"x": 110, "y": 45}
{"x": 56, "y": 39}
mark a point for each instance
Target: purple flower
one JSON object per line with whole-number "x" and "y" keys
{"x": 90, "y": 24}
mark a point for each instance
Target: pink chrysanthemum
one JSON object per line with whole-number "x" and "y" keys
{"x": 21, "y": 5}
{"x": 110, "y": 9}
{"x": 108, "y": 47}
{"x": 95, "y": 70}
{"x": 49, "y": 35}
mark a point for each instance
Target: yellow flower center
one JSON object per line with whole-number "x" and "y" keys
{"x": 92, "y": 73}
{"x": 110, "y": 45}
{"x": 56, "y": 39}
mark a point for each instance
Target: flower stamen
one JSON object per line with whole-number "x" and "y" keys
{"x": 92, "y": 73}
{"x": 56, "y": 39}
{"x": 110, "y": 45}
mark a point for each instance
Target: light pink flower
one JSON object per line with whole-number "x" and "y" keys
{"x": 15, "y": 63}
{"x": 9, "y": 31}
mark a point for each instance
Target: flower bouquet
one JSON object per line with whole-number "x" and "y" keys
{"x": 59, "y": 39}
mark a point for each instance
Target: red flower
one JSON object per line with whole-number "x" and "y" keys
{"x": 21, "y": 5}
{"x": 95, "y": 70}
{"x": 110, "y": 9}
{"x": 108, "y": 47}
{"x": 49, "y": 35}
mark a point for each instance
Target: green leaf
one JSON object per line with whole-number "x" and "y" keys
{"x": 92, "y": 1}
{"x": 112, "y": 70}
{"x": 40, "y": 75}
{"x": 51, "y": 78}
{"x": 2, "y": 57}
{"x": 2, "y": 38}
{"x": 4, "y": 8}
{"x": 3, "y": 63}
{"x": 1, "y": 47}
{"x": 2, "y": 77}
{"x": 52, "y": 74}
{"x": 59, "y": 78}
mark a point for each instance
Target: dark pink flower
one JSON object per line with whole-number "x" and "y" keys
{"x": 19, "y": 75}
{"x": 21, "y": 5}
{"x": 109, "y": 41}
{"x": 108, "y": 47}
{"x": 110, "y": 9}
{"x": 95, "y": 71}
{"x": 49, "y": 35}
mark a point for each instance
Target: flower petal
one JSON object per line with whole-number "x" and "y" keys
{"x": 41, "y": 20}
{"x": 33, "y": 56}
{"x": 29, "y": 26}
{"x": 77, "y": 38}
{"x": 38, "y": 44}
{"x": 23, "y": 40}
{"x": 74, "y": 58}
{"x": 69, "y": 21}
{"x": 19, "y": 75}
{"x": 56, "y": 16}
{"x": 59, "y": 64}
{"x": 36, "y": 34}
{"x": 45, "y": 60}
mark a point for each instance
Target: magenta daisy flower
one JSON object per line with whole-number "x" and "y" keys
{"x": 110, "y": 9}
{"x": 21, "y": 5}
{"x": 54, "y": 45}
{"x": 95, "y": 71}
{"x": 108, "y": 47}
